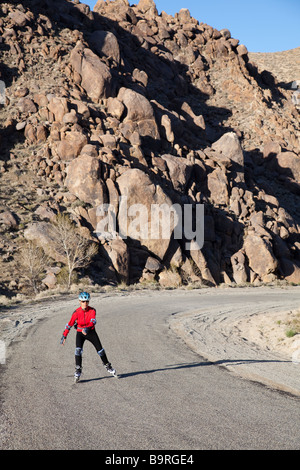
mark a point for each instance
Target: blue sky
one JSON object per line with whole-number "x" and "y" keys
{"x": 262, "y": 25}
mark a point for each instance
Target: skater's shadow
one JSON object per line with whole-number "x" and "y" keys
{"x": 95, "y": 379}
{"x": 163, "y": 369}
{"x": 171, "y": 367}
{"x": 220, "y": 363}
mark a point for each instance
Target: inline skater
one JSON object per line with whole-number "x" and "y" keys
{"x": 84, "y": 320}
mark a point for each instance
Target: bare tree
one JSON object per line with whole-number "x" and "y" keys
{"x": 31, "y": 264}
{"x": 75, "y": 249}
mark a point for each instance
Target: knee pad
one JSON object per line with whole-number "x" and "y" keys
{"x": 101, "y": 352}
{"x": 78, "y": 351}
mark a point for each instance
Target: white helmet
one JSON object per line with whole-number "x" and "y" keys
{"x": 84, "y": 296}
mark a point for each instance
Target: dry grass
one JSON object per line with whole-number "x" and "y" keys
{"x": 293, "y": 326}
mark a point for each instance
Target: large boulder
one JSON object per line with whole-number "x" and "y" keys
{"x": 148, "y": 7}
{"x": 71, "y": 146}
{"x": 137, "y": 105}
{"x": 180, "y": 170}
{"x": 84, "y": 180}
{"x": 290, "y": 270}
{"x": 9, "y": 219}
{"x": 58, "y": 107}
{"x": 117, "y": 252}
{"x": 217, "y": 185}
{"x": 260, "y": 255}
{"x": 140, "y": 196}
{"x": 96, "y": 78}
{"x": 239, "y": 271}
{"x": 26, "y": 106}
{"x": 139, "y": 113}
{"x": 229, "y": 147}
{"x": 18, "y": 18}
{"x": 289, "y": 164}
{"x": 105, "y": 43}
{"x": 202, "y": 264}
{"x": 42, "y": 234}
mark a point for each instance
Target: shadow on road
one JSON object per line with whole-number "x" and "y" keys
{"x": 222, "y": 362}
{"x": 170, "y": 367}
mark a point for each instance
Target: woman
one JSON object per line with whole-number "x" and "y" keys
{"x": 84, "y": 319}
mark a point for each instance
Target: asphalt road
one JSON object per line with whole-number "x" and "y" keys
{"x": 167, "y": 396}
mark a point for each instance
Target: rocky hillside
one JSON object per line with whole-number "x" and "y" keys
{"x": 285, "y": 65}
{"x": 122, "y": 101}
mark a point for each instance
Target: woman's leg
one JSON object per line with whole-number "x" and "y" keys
{"x": 93, "y": 337}
{"x": 80, "y": 339}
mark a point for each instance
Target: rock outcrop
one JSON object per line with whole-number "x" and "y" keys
{"x": 124, "y": 102}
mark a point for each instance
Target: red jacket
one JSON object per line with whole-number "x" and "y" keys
{"x": 83, "y": 319}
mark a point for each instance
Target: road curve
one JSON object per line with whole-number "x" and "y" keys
{"x": 168, "y": 397}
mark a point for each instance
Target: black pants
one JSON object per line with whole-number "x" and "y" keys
{"x": 93, "y": 337}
